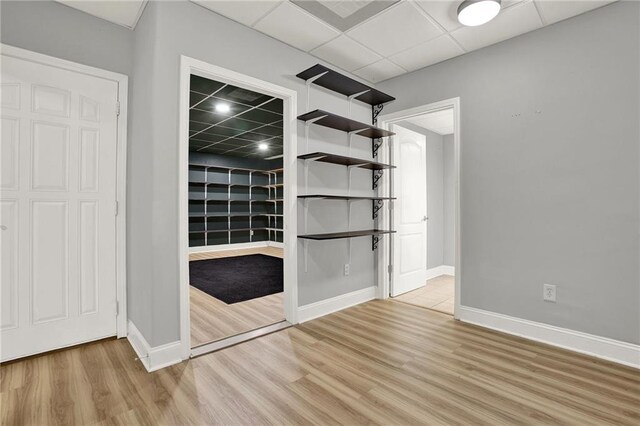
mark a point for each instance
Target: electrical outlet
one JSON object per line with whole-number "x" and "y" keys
{"x": 347, "y": 269}
{"x": 549, "y": 293}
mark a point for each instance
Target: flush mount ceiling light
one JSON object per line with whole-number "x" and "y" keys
{"x": 220, "y": 107}
{"x": 477, "y": 12}
{"x": 263, "y": 147}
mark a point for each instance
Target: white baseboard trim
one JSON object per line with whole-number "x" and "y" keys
{"x": 223, "y": 247}
{"x": 157, "y": 357}
{"x": 599, "y": 347}
{"x": 440, "y": 270}
{"x": 328, "y": 306}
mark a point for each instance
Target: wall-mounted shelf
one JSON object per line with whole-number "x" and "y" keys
{"x": 373, "y": 233}
{"x": 325, "y": 157}
{"x": 333, "y": 80}
{"x": 334, "y": 121}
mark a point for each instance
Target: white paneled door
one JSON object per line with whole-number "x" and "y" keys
{"x": 410, "y": 216}
{"x": 58, "y": 229}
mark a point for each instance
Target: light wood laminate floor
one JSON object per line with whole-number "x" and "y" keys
{"x": 438, "y": 294}
{"x": 382, "y": 362}
{"x": 212, "y": 319}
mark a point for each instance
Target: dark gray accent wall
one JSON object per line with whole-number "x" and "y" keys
{"x": 550, "y": 185}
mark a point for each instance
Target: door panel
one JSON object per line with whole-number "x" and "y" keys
{"x": 58, "y": 208}
{"x": 410, "y": 253}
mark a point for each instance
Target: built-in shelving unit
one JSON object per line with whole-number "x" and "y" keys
{"x": 234, "y": 205}
{"x": 353, "y": 90}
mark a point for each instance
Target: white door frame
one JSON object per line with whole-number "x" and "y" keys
{"x": 384, "y": 121}
{"x": 121, "y": 164}
{"x": 190, "y": 66}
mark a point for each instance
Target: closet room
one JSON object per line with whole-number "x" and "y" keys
{"x": 236, "y": 212}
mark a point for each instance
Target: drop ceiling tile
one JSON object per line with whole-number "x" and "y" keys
{"x": 379, "y": 71}
{"x": 273, "y": 106}
{"x": 197, "y": 126}
{"x": 396, "y": 29}
{"x": 195, "y": 98}
{"x": 221, "y": 131}
{"x": 296, "y": 27}
{"x": 554, "y": 11}
{"x": 261, "y": 116}
{"x": 269, "y": 131}
{"x": 509, "y": 23}
{"x": 204, "y": 85}
{"x": 125, "y": 13}
{"x": 209, "y": 104}
{"x": 346, "y": 53}
{"x": 245, "y": 12}
{"x": 205, "y": 116}
{"x": 444, "y": 13}
{"x": 429, "y": 53}
{"x": 241, "y": 96}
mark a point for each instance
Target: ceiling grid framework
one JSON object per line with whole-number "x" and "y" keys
{"x": 248, "y": 119}
{"x": 372, "y": 39}
{"x": 404, "y": 36}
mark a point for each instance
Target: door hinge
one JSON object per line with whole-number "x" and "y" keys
{"x": 118, "y": 108}
{"x": 116, "y": 209}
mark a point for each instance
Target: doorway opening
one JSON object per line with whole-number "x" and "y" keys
{"x": 425, "y": 251}
{"x": 237, "y": 280}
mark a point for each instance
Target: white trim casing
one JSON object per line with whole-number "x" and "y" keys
{"x": 440, "y": 270}
{"x": 599, "y": 347}
{"x": 154, "y": 358}
{"x": 385, "y": 215}
{"x": 190, "y": 66}
{"x": 335, "y": 304}
{"x": 121, "y": 163}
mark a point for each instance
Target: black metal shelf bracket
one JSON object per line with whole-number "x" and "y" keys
{"x": 375, "y": 112}
{"x": 376, "y": 145}
{"x": 377, "y": 205}
{"x": 377, "y": 175}
{"x": 374, "y": 242}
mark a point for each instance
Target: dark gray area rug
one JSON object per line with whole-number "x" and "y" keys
{"x": 239, "y": 278}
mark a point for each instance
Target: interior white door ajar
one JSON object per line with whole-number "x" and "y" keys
{"x": 410, "y": 186}
{"x": 58, "y": 229}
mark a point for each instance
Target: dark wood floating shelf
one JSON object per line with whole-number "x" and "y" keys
{"x": 345, "y": 161}
{"x": 333, "y": 121}
{"x": 341, "y": 235}
{"x": 344, "y": 85}
{"x": 344, "y": 197}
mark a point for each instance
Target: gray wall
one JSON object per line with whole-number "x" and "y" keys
{"x": 448, "y": 202}
{"x": 550, "y": 158}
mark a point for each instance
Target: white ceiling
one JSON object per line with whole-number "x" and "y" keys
{"x": 121, "y": 12}
{"x": 440, "y": 122}
{"x": 409, "y": 35}
{"x": 404, "y": 37}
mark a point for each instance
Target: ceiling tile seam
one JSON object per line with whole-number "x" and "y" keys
{"x": 315, "y": 18}
{"x": 384, "y": 58}
{"x": 374, "y": 16}
{"x": 231, "y": 128}
{"x": 211, "y": 125}
{"x": 139, "y": 15}
{"x": 441, "y": 27}
{"x": 247, "y": 145}
{"x": 235, "y": 116}
{"x": 227, "y": 100}
{"x": 239, "y": 134}
{"x": 275, "y": 6}
{"x": 233, "y": 137}
{"x": 429, "y": 18}
{"x": 540, "y": 14}
{"x": 353, "y": 40}
{"x": 208, "y": 96}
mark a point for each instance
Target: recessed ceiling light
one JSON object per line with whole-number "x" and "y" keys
{"x": 220, "y": 107}
{"x": 477, "y": 12}
{"x": 263, "y": 147}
